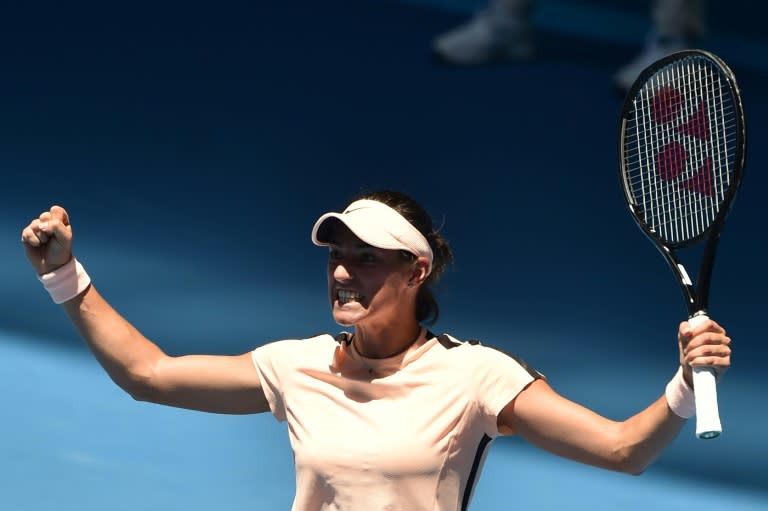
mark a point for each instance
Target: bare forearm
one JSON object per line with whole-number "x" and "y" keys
{"x": 126, "y": 355}
{"x": 573, "y": 431}
{"x": 647, "y": 434}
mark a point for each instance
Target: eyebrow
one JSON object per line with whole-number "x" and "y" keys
{"x": 361, "y": 245}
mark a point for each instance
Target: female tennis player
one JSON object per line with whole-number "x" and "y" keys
{"x": 389, "y": 415}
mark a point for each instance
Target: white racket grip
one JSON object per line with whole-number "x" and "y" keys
{"x": 705, "y": 391}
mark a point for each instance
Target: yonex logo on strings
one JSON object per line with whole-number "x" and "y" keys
{"x": 668, "y": 109}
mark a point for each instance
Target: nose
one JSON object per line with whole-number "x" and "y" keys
{"x": 341, "y": 273}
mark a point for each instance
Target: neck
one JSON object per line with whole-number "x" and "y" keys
{"x": 385, "y": 346}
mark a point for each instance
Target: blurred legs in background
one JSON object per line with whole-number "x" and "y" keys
{"x": 677, "y": 25}
{"x": 503, "y": 31}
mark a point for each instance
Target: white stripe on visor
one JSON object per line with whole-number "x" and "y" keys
{"x": 380, "y": 226}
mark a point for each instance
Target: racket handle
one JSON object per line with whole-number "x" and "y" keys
{"x": 705, "y": 391}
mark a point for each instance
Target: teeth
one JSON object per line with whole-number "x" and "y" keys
{"x": 346, "y": 296}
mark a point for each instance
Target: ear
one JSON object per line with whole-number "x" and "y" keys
{"x": 420, "y": 272}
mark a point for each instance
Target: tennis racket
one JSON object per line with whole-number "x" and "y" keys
{"x": 682, "y": 143}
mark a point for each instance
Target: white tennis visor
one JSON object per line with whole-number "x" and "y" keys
{"x": 378, "y": 225}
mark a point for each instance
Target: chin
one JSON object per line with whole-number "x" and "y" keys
{"x": 344, "y": 323}
{"x": 345, "y": 318}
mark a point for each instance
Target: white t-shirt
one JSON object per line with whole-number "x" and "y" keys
{"x": 407, "y": 433}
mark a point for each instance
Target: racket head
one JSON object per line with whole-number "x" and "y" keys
{"x": 682, "y": 145}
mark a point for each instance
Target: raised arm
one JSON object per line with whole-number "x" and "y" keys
{"x": 220, "y": 384}
{"x": 552, "y": 422}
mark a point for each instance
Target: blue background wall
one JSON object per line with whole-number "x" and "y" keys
{"x": 195, "y": 144}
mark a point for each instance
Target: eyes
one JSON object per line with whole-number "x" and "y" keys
{"x": 365, "y": 256}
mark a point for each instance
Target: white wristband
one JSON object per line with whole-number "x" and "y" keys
{"x": 680, "y": 396}
{"x": 66, "y": 282}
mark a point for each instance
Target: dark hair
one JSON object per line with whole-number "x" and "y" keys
{"x": 427, "y": 309}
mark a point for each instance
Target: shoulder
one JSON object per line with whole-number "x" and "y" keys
{"x": 296, "y": 347}
{"x": 474, "y": 352}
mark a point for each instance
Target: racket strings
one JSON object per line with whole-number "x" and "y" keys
{"x": 680, "y": 148}
{"x": 675, "y": 222}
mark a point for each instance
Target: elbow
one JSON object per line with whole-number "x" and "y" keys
{"x": 139, "y": 382}
{"x": 141, "y": 394}
{"x": 633, "y": 468}
{"x": 627, "y": 460}
{"x": 631, "y": 453}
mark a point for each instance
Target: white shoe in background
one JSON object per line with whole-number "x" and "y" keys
{"x": 491, "y": 36}
{"x": 656, "y": 48}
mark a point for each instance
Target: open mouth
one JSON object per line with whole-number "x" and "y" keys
{"x": 345, "y": 296}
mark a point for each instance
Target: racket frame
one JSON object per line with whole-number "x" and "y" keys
{"x": 696, "y": 295}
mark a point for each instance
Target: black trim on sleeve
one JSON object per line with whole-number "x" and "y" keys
{"x": 533, "y": 372}
{"x": 448, "y": 343}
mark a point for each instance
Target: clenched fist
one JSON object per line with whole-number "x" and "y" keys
{"x": 48, "y": 240}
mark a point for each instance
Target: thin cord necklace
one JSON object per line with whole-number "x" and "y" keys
{"x": 399, "y": 352}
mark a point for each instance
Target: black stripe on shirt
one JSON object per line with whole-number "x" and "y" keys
{"x": 472, "y": 479}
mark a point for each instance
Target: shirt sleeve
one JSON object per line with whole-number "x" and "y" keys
{"x": 268, "y": 362}
{"x": 499, "y": 379}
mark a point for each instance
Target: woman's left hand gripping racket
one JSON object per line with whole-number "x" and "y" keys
{"x": 682, "y": 144}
